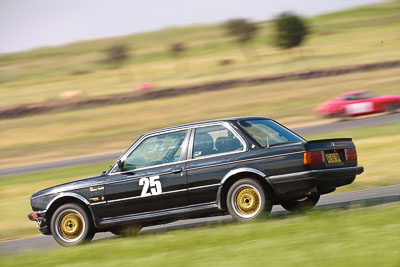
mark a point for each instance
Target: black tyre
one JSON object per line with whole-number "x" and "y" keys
{"x": 338, "y": 114}
{"x": 392, "y": 108}
{"x": 246, "y": 200}
{"x": 301, "y": 205}
{"x": 341, "y": 116}
{"x": 71, "y": 225}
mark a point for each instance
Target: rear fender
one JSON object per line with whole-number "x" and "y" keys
{"x": 232, "y": 175}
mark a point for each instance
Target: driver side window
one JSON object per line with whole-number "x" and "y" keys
{"x": 156, "y": 150}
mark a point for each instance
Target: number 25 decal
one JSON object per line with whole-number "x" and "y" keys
{"x": 151, "y": 182}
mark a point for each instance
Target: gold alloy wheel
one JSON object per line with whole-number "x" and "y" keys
{"x": 71, "y": 225}
{"x": 248, "y": 201}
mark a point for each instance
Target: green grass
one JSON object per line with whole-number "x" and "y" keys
{"x": 62, "y": 174}
{"x": 378, "y": 152}
{"x": 360, "y": 35}
{"x": 48, "y": 137}
{"x": 15, "y": 192}
{"x": 354, "y": 237}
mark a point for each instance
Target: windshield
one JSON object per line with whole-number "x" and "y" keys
{"x": 358, "y": 96}
{"x": 269, "y": 133}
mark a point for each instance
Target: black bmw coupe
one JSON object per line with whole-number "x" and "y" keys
{"x": 241, "y": 166}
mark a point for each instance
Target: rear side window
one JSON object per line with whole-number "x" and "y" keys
{"x": 269, "y": 133}
{"x": 214, "y": 140}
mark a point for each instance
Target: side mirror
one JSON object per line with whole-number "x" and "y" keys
{"x": 120, "y": 164}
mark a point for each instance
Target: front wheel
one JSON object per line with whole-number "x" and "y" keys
{"x": 341, "y": 116}
{"x": 304, "y": 204}
{"x": 70, "y": 225}
{"x": 247, "y": 200}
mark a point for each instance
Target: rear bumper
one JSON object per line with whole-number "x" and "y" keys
{"x": 40, "y": 218}
{"x": 316, "y": 179}
{"x": 316, "y": 174}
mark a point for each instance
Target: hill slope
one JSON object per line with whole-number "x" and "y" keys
{"x": 361, "y": 35}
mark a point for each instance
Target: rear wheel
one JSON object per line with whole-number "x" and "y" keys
{"x": 392, "y": 108}
{"x": 246, "y": 200}
{"x": 70, "y": 225}
{"x": 302, "y": 204}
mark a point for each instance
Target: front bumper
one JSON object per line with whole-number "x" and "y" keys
{"x": 320, "y": 179}
{"x": 40, "y": 218}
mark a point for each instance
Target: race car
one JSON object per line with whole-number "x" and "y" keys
{"x": 240, "y": 166}
{"x": 358, "y": 103}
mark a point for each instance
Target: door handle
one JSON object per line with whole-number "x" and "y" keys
{"x": 177, "y": 170}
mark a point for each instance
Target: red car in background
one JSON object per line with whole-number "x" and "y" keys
{"x": 358, "y": 103}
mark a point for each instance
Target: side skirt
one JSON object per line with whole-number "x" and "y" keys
{"x": 157, "y": 215}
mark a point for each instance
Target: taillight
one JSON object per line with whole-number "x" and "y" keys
{"x": 350, "y": 154}
{"x": 313, "y": 157}
{"x": 35, "y": 215}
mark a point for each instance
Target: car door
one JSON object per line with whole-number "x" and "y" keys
{"x": 360, "y": 103}
{"x": 152, "y": 178}
{"x": 211, "y": 152}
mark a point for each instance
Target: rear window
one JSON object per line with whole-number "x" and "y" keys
{"x": 269, "y": 133}
{"x": 213, "y": 140}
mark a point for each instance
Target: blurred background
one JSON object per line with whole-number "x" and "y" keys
{"x": 80, "y": 81}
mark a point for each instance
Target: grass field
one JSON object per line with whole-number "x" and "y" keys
{"x": 365, "y": 34}
{"x": 378, "y": 152}
{"x": 16, "y": 191}
{"x": 49, "y": 137}
{"x": 354, "y": 237}
{"x": 360, "y": 35}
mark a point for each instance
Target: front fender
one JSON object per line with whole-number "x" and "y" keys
{"x": 67, "y": 194}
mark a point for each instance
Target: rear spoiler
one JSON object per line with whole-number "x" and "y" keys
{"x": 334, "y": 143}
{"x": 329, "y": 140}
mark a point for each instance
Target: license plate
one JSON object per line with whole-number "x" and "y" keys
{"x": 333, "y": 158}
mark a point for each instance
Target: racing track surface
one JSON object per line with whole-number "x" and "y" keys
{"x": 305, "y": 131}
{"x": 369, "y": 197}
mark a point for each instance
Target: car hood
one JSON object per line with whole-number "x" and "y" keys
{"x": 331, "y": 104}
{"x": 81, "y": 183}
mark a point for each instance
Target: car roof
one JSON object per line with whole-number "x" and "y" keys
{"x": 205, "y": 122}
